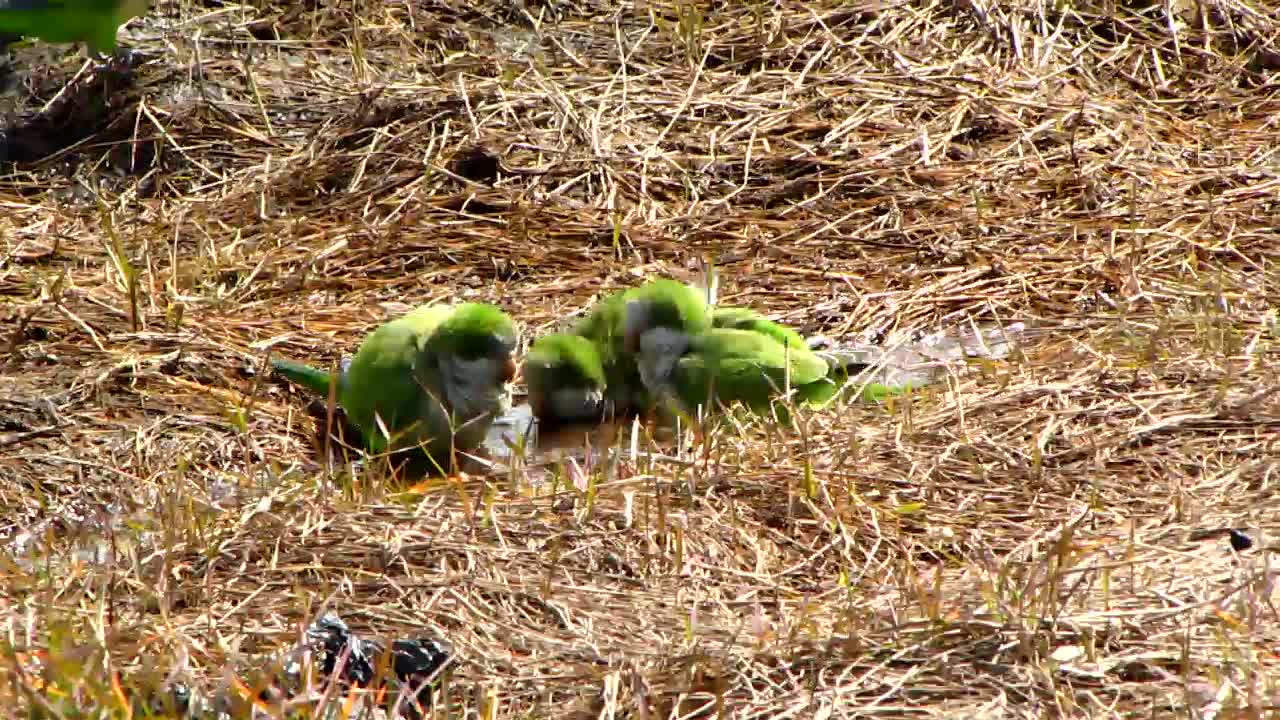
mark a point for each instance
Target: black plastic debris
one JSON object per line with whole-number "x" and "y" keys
{"x": 416, "y": 664}
{"x": 1240, "y": 541}
{"x": 402, "y": 682}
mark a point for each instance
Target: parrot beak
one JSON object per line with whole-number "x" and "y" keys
{"x": 664, "y": 365}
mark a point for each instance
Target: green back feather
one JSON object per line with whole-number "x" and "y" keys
{"x": 740, "y": 318}
{"x": 843, "y": 366}
{"x": 731, "y": 365}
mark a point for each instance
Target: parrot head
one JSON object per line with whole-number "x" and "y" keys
{"x": 474, "y": 349}
{"x": 660, "y": 319}
{"x": 657, "y": 351}
{"x": 566, "y": 379}
{"x": 663, "y": 304}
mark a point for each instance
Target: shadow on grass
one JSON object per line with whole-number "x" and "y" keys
{"x": 65, "y": 115}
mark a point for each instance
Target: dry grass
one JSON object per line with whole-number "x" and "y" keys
{"x": 1038, "y": 538}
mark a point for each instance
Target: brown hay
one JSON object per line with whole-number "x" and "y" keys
{"x": 1029, "y": 540}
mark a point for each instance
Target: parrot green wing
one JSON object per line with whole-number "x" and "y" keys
{"x": 732, "y": 365}
{"x": 818, "y": 392}
{"x": 93, "y": 21}
{"x": 740, "y": 318}
{"x": 381, "y": 382}
{"x": 843, "y": 366}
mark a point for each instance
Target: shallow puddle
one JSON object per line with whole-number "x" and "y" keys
{"x": 515, "y": 438}
{"x": 927, "y": 359}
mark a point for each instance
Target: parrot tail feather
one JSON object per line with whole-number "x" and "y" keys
{"x": 317, "y": 381}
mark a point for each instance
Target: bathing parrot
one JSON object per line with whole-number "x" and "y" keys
{"x": 432, "y": 380}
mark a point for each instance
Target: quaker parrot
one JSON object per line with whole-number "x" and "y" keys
{"x": 431, "y": 381}
{"x": 727, "y": 365}
{"x": 565, "y": 379}
{"x": 63, "y": 21}
{"x": 643, "y": 327}
{"x": 747, "y": 358}
{"x": 650, "y": 317}
{"x": 818, "y": 391}
{"x": 597, "y": 375}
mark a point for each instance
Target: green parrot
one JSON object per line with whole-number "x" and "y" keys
{"x": 63, "y": 21}
{"x": 565, "y": 379}
{"x": 597, "y": 376}
{"x": 431, "y": 380}
{"x": 627, "y": 321}
{"x": 643, "y": 329}
{"x": 750, "y": 359}
{"x": 727, "y": 365}
{"x": 840, "y": 366}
